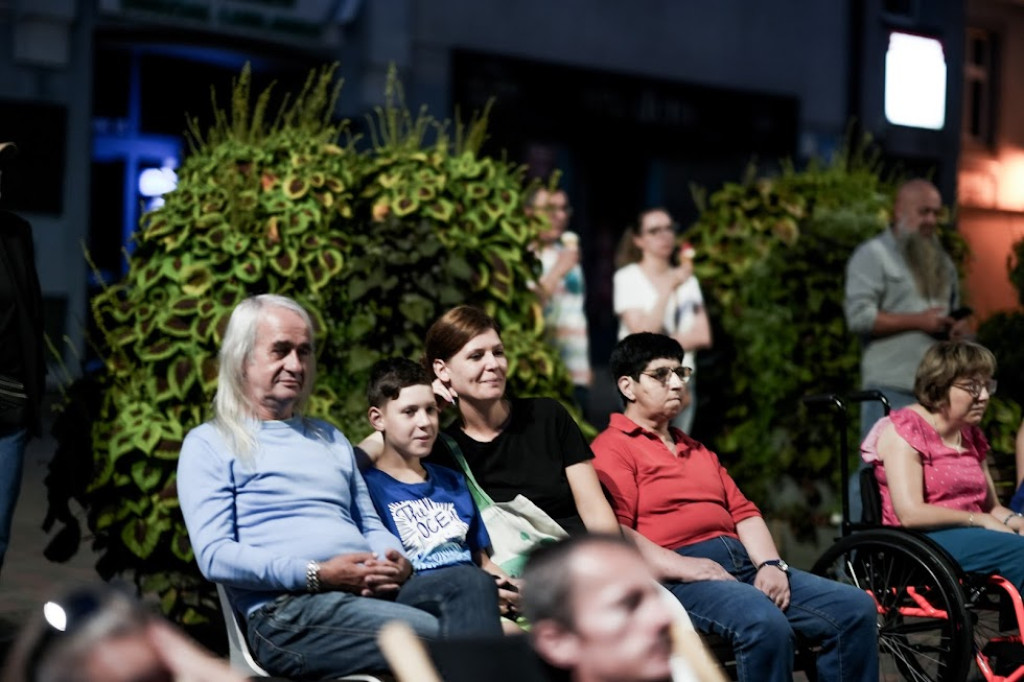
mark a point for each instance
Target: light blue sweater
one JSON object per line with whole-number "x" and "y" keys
{"x": 254, "y": 528}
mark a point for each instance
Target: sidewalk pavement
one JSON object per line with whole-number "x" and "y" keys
{"x": 28, "y": 579}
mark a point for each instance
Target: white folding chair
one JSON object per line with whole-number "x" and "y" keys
{"x": 238, "y": 646}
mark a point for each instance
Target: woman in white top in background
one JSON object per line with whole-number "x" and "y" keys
{"x": 653, "y": 294}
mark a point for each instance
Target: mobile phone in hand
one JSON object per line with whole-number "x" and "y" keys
{"x": 961, "y": 312}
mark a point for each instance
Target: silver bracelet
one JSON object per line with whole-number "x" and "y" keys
{"x": 1006, "y": 521}
{"x": 313, "y": 577}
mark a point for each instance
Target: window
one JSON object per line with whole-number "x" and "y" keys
{"x": 915, "y": 81}
{"x": 980, "y": 87}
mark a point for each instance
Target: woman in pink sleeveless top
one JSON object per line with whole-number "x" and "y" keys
{"x": 930, "y": 463}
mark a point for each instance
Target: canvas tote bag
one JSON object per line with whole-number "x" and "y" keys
{"x": 515, "y": 527}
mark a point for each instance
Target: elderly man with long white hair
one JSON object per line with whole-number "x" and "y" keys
{"x": 278, "y": 513}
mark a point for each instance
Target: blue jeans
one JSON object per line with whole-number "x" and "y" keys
{"x": 838, "y": 618}
{"x": 870, "y": 412}
{"x": 978, "y": 550}
{"x": 333, "y": 634}
{"x": 12, "y": 460}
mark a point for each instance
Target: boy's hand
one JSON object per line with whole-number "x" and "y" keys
{"x": 508, "y": 596}
{"x": 387, "y": 574}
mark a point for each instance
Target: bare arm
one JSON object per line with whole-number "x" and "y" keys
{"x": 567, "y": 260}
{"x": 372, "y": 445}
{"x": 905, "y": 476}
{"x": 591, "y": 504}
{"x": 667, "y": 565}
{"x": 757, "y": 540}
{"x": 637, "y": 320}
{"x": 1020, "y": 454}
{"x": 1004, "y": 515}
{"x": 931, "y": 321}
{"x": 508, "y": 599}
{"x": 698, "y": 336}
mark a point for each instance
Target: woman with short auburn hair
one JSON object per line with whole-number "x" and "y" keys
{"x": 930, "y": 461}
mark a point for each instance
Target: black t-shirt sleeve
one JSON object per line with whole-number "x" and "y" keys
{"x": 574, "y": 446}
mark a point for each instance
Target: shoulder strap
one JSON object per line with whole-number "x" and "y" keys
{"x": 481, "y": 498}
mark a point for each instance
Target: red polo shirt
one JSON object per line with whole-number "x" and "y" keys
{"x": 673, "y": 498}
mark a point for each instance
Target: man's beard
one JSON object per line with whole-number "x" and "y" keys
{"x": 927, "y": 262}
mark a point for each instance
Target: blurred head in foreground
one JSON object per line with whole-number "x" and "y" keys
{"x": 595, "y": 610}
{"x": 101, "y": 634}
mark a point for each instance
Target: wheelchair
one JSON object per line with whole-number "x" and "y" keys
{"x": 935, "y": 622}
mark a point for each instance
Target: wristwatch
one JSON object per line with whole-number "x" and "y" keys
{"x": 777, "y": 563}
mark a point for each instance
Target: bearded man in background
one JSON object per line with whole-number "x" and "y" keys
{"x": 901, "y": 288}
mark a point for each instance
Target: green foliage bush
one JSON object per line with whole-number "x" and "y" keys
{"x": 376, "y": 242}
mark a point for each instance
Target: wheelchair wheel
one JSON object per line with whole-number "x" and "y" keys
{"x": 924, "y": 629}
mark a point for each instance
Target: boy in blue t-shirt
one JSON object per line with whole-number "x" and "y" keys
{"x": 427, "y": 506}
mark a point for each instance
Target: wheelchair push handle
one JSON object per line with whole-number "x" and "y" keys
{"x": 868, "y": 396}
{"x": 839, "y": 419}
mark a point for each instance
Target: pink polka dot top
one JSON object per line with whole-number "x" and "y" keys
{"x": 952, "y": 478}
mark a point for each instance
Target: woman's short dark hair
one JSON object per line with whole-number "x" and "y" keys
{"x": 633, "y": 353}
{"x": 455, "y": 329}
{"x": 944, "y": 363}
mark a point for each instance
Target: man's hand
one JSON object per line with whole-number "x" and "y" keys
{"x": 934, "y": 321}
{"x": 775, "y": 584}
{"x": 387, "y": 574}
{"x": 347, "y": 572}
{"x": 695, "y": 569}
{"x": 960, "y": 330}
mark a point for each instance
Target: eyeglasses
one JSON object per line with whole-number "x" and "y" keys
{"x": 976, "y": 387}
{"x": 557, "y": 208}
{"x": 659, "y": 229}
{"x": 663, "y": 373}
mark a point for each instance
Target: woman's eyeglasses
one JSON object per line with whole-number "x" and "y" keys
{"x": 976, "y": 387}
{"x": 663, "y": 373}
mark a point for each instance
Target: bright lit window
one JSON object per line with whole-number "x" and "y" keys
{"x": 915, "y": 82}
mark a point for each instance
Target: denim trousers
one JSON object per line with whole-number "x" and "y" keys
{"x": 870, "y": 412}
{"x": 333, "y": 634}
{"x": 12, "y": 459}
{"x": 838, "y": 618}
{"x": 979, "y": 550}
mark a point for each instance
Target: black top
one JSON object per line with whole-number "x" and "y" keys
{"x": 529, "y": 457}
